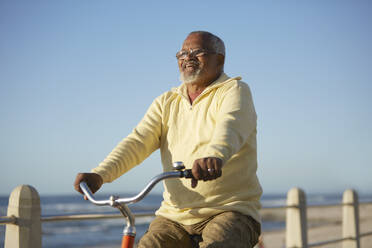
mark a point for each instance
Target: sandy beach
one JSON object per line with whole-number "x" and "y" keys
{"x": 323, "y": 224}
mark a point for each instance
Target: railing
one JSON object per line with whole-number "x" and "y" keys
{"x": 296, "y": 221}
{"x": 23, "y": 223}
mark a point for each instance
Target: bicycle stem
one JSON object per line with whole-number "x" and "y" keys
{"x": 130, "y": 228}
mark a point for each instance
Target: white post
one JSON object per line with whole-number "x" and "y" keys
{"x": 350, "y": 219}
{"x": 24, "y": 204}
{"x": 296, "y": 222}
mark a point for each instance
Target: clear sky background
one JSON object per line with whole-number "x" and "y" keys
{"x": 77, "y": 76}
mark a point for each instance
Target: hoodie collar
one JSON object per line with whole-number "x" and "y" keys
{"x": 221, "y": 80}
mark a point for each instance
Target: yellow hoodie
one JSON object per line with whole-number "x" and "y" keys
{"x": 221, "y": 122}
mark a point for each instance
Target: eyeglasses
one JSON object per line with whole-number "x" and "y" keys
{"x": 192, "y": 53}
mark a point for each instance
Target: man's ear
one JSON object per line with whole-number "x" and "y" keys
{"x": 220, "y": 61}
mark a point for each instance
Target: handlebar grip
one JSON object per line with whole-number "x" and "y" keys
{"x": 187, "y": 174}
{"x": 85, "y": 188}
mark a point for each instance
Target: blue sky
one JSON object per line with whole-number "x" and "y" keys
{"x": 77, "y": 76}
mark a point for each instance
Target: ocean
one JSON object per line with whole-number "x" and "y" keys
{"x": 104, "y": 233}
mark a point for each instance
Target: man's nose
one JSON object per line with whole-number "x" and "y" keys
{"x": 190, "y": 56}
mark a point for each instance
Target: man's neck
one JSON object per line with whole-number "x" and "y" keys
{"x": 196, "y": 88}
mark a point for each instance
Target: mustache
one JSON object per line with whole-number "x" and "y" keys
{"x": 193, "y": 63}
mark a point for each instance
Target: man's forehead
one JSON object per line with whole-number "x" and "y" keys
{"x": 196, "y": 41}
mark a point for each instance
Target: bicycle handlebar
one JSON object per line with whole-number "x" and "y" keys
{"x": 120, "y": 203}
{"x": 113, "y": 201}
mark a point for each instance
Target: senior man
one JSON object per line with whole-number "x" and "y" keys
{"x": 209, "y": 123}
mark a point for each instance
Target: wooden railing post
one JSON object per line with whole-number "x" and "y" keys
{"x": 296, "y": 222}
{"x": 350, "y": 219}
{"x": 24, "y": 204}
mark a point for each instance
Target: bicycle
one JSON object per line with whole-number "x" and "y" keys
{"x": 129, "y": 232}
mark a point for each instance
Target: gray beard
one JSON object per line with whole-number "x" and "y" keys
{"x": 191, "y": 78}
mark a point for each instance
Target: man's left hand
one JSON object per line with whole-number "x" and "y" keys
{"x": 206, "y": 169}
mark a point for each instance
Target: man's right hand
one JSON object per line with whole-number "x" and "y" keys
{"x": 93, "y": 180}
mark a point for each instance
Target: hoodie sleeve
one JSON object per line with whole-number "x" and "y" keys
{"x": 235, "y": 121}
{"x": 136, "y": 147}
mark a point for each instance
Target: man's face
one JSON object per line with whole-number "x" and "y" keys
{"x": 203, "y": 68}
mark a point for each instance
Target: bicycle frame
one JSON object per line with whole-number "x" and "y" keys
{"x": 129, "y": 232}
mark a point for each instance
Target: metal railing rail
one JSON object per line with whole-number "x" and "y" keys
{"x": 333, "y": 241}
{"x": 316, "y": 205}
{"x": 365, "y": 234}
{"x": 4, "y": 220}
{"x": 75, "y": 217}
{"x": 8, "y": 220}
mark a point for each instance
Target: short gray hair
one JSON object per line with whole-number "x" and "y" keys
{"x": 217, "y": 44}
